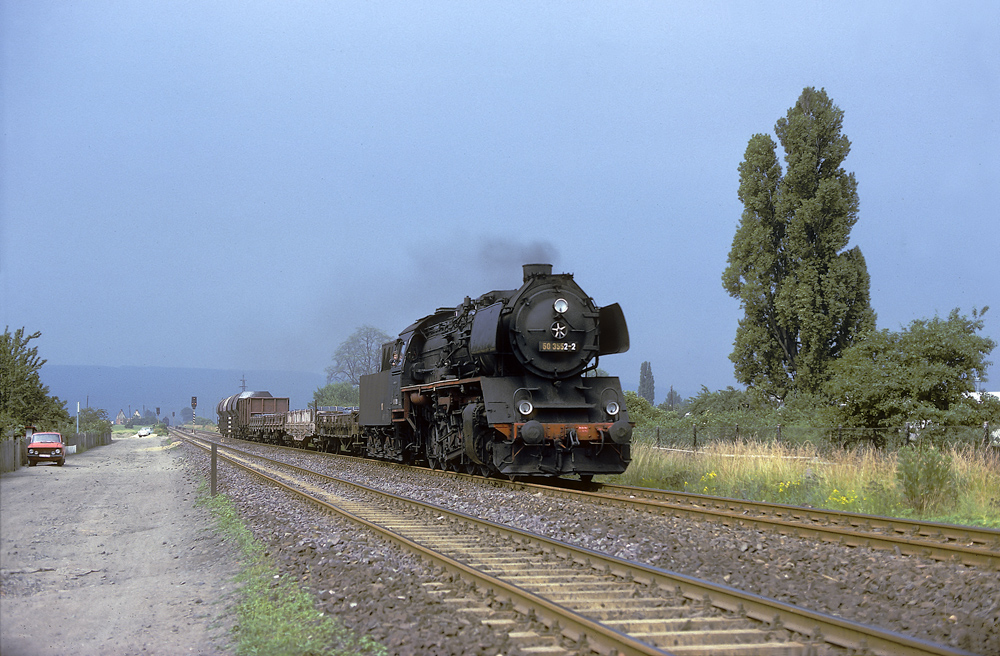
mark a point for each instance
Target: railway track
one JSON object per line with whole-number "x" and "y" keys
{"x": 967, "y": 545}
{"x": 946, "y": 542}
{"x": 605, "y": 603}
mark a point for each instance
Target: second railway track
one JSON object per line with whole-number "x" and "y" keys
{"x": 969, "y": 545}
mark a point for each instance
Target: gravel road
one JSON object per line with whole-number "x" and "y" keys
{"x": 109, "y": 555}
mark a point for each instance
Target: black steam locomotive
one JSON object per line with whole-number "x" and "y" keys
{"x": 495, "y": 386}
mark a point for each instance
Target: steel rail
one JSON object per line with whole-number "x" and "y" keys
{"x": 831, "y": 629}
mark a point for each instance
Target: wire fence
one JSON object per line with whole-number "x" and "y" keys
{"x": 829, "y": 438}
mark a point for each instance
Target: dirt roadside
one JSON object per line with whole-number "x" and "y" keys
{"x": 109, "y": 555}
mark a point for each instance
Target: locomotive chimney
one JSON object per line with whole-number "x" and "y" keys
{"x": 533, "y": 270}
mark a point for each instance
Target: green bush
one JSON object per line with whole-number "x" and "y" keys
{"x": 642, "y": 412}
{"x": 926, "y": 476}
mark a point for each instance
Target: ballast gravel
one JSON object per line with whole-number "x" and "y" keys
{"x": 372, "y": 587}
{"x": 379, "y": 591}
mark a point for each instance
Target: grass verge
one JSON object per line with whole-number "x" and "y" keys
{"x": 863, "y": 481}
{"x": 274, "y": 616}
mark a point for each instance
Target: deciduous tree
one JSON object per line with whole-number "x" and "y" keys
{"x": 94, "y": 420}
{"x": 359, "y": 354}
{"x": 336, "y": 394}
{"x": 673, "y": 400}
{"x": 924, "y": 372}
{"x": 23, "y": 397}
{"x": 805, "y": 296}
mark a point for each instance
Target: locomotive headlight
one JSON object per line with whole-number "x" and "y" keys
{"x": 560, "y": 306}
{"x": 612, "y": 408}
{"x": 525, "y": 407}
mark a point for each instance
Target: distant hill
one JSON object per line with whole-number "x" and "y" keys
{"x": 170, "y": 389}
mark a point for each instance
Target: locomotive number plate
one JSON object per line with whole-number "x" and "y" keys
{"x": 557, "y": 346}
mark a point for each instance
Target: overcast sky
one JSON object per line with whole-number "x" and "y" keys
{"x": 243, "y": 184}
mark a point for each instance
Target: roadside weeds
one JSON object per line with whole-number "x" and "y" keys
{"x": 273, "y": 614}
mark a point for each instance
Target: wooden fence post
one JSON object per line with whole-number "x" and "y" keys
{"x": 215, "y": 455}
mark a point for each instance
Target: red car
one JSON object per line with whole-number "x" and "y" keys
{"x": 46, "y": 447}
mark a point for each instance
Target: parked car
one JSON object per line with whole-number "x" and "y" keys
{"x": 46, "y": 447}
{"x": 143, "y": 432}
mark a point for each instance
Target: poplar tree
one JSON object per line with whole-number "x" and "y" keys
{"x": 804, "y": 294}
{"x": 646, "y": 388}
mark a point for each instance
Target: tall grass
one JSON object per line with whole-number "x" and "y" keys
{"x": 863, "y": 481}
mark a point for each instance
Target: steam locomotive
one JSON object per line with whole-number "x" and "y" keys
{"x": 499, "y": 385}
